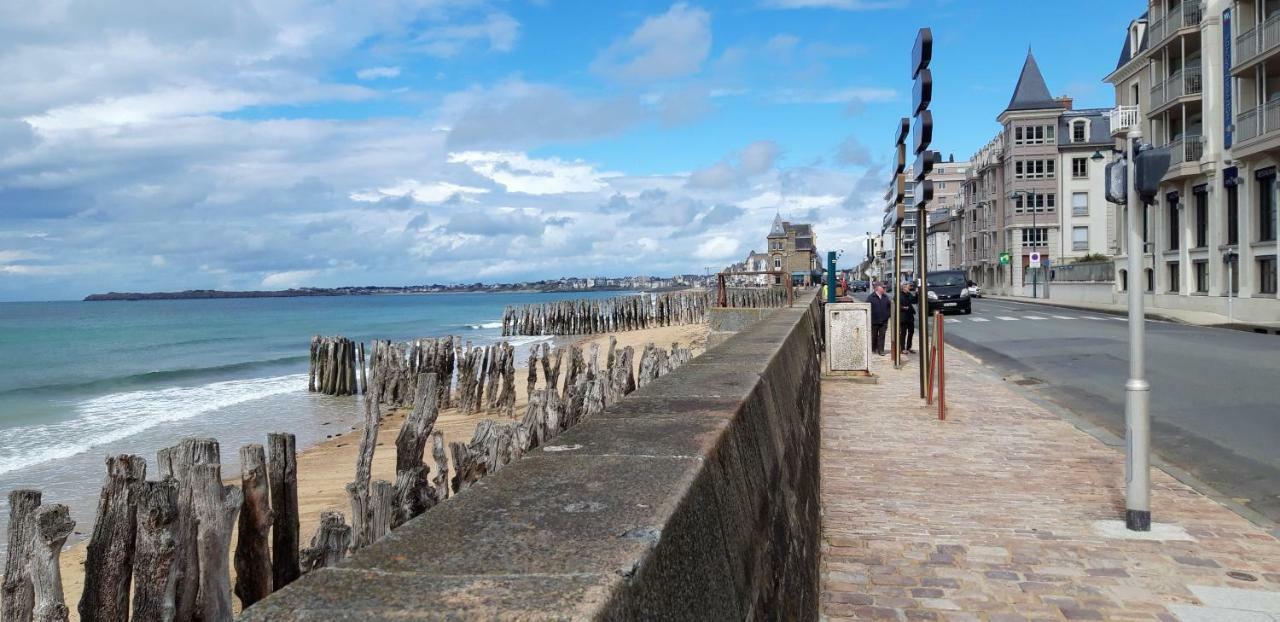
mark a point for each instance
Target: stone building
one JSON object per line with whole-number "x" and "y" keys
{"x": 1036, "y": 187}
{"x": 1202, "y": 77}
{"x": 793, "y": 249}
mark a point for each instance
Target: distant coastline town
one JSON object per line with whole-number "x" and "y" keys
{"x": 568, "y": 284}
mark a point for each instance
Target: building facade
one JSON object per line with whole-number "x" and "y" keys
{"x": 1202, "y": 78}
{"x": 793, "y": 249}
{"x": 1036, "y": 187}
{"x": 948, "y": 187}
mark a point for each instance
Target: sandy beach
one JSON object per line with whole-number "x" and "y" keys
{"x": 326, "y": 468}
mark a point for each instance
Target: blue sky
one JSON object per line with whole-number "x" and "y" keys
{"x": 247, "y": 144}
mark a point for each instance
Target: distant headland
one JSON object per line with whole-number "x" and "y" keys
{"x": 575, "y": 284}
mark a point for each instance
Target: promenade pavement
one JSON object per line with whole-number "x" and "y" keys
{"x": 1007, "y": 512}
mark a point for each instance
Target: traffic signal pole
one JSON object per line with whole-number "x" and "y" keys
{"x": 1137, "y": 416}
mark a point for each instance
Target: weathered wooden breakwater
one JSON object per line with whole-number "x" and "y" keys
{"x": 606, "y": 315}
{"x": 160, "y": 549}
{"x": 755, "y": 297}
{"x": 334, "y": 365}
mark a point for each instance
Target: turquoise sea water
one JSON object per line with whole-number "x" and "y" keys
{"x": 82, "y": 380}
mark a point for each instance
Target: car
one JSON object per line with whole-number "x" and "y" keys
{"x": 949, "y": 291}
{"x": 974, "y": 290}
{"x": 858, "y": 286}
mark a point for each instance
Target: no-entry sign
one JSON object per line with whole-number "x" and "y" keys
{"x": 1035, "y": 260}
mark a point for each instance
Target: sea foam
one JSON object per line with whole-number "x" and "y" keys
{"x": 111, "y": 417}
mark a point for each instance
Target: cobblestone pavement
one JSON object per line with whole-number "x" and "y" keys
{"x": 998, "y": 514}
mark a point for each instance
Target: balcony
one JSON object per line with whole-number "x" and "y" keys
{"x": 1183, "y": 82}
{"x": 1259, "y": 122}
{"x": 1256, "y": 43}
{"x": 1164, "y": 27}
{"x": 1123, "y": 119}
{"x": 1185, "y": 150}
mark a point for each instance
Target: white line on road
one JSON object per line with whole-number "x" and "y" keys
{"x": 1006, "y": 318}
{"x": 1063, "y": 317}
{"x": 952, "y": 320}
{"x": 1091, "y": 317}
{"x": 1036, "y": 317}
{"x": 979, "y": 319}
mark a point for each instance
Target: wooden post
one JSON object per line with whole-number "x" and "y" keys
{"x": 382, "y": 499}
{"x": 180, "y": 462}
{"x": 155, "y": 568}
{"x": 19, "y": 599}
{"x": 414, "y": 493}
{"x": 330, "y": 543}
{"x": 361, "y": 515}
{"x": 283, "y": 471}
{"x": 441, "y": 478}
{"x": 216, "y": 508}
{"x": 108, "y": 566}
{"x": 253, "y": 551}
{"x": 364, "y": 373}
{"x": 51, "y": 524}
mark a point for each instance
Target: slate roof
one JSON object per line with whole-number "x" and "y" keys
{"x": 1125, "y": 56}
{"x": 1031, "y": 93}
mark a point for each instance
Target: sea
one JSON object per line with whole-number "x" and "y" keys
{"x": 84, "y": 380}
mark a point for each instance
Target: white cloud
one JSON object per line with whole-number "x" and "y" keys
{"x": 158, "y": 261}
{"x": 288, "y": 279}
{"x": 499, "y": 30}
{"x": 422, "y": 192}
{"x": 717, "y": 248}
{"x": 374, "y": 73}
{"x": 835, "y": 96}
{"x": 517, "y": 172}
{"x": 844, "y": 5}
{"x": 671, "y": 45}
{"x": 755, "y": 159}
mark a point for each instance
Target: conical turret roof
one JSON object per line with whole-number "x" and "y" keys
{"x": 1031, "y": 93}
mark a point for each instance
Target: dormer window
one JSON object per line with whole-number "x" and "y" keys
{"x": 1079, "y": 131}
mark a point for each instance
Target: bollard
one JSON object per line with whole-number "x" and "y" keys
{"x": 941, "y": 370}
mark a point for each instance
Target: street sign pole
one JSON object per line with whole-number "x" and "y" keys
{"x": 922, "y": 96}
{"x": 1137, "y": 417}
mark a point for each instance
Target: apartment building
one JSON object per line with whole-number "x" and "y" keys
{"x": 1036, "y": 187}
{"x": 948, "y": 187}
{"x": 1202, "y": 77}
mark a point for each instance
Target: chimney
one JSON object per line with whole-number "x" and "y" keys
{"x": 1066, "y": 102}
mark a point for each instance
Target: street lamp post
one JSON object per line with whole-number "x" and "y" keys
{"x": 1137, "y": 416}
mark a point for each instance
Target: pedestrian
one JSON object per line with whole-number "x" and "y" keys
{"x": 881, "y": 310}
{"x": 907, "y": 317}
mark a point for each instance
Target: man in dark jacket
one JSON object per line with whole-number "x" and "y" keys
{"x": 907, "y": 323}
{"x": 881, "y": 310}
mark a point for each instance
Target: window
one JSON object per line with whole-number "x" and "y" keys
{"x": 1080, "y": 168}
{"x": 1233, "y": 215}
{"x": 1078, "y": 129}
{"x": 1033, "y": 135}
{"x": 1035, "y": 237}
{"x": 1079, "y": 238}
{"x": 777, "y": 263}
{"x": 1124, "y": 280}
{"x": 1037, "y": 202}
{"x": 1151, "y": 280}
{"x": 1267, "y": 275}
{"x": 1173, "y": 276}
{"x": 1173, "y": 225}
{"x": 1034, "y": 169}
{"x": 1202, "y": 219}
{"x": 1080, "y": 204}
{"x": 1202, "y": 276}
{"x": 1267, "y": 207}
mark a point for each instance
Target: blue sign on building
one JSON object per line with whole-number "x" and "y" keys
{"x": 1227, "y": 104}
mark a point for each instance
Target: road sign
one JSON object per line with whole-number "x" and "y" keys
{"x": 1004, "y": 259}
{"x": 1035, "y": 260}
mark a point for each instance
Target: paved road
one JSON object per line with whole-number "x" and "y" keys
{"x": 1215, "y": 401}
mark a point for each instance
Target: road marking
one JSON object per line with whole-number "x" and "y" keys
{"x": 979, "y": 319}
{"x": 1006, "y": 318}
{"x": 1119, "y": 319}
{"x": 1092, "y": 317}
{"x": 1063, "y": 317}
{"x": 1036, "y": 317}
{"x": 952, "y": 320}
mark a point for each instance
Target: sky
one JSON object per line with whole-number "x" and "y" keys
{"x": 152, "y": 145}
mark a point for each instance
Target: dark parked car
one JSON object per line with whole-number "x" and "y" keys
{"x": 949, "y": 291}
{"x": 858, "y": 286}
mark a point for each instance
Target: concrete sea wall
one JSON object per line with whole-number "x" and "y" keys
{"x": 696, "y": 497}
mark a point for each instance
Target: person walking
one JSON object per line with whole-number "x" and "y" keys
{"x": 881, "y": 310}
{"x": 907, "y": 319}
